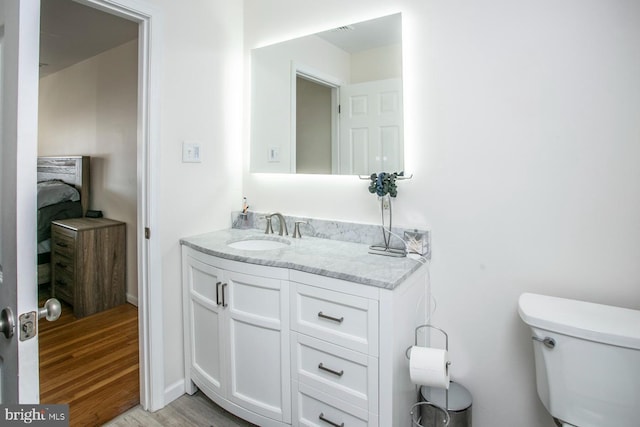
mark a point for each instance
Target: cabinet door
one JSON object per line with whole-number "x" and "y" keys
{"x": 259, "y": 371}
{"x": 205, "y": 351}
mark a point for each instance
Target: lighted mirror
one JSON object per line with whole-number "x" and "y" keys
{"x": 331, "y": 102}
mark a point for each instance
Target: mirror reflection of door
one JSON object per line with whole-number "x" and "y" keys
{"x": 371, "y": 127}
{"x": 368, "y": 121}
{"x": 314, "y": 118}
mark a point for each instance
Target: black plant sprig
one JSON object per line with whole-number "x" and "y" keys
{"x": 384, "y": 183}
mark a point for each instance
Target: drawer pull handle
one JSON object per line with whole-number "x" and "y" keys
{"x": 218, "y": 293}
{"x": 335, "y": 319}
{"x": 224, "y": 304}
{"x": 62, "y": 245}
{"x": 61, "y": 265}
{"x": 331, "y": 371}
{"x": 322, "y": 418}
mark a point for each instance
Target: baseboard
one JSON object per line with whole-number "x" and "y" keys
{"x": 131, "y": 299}
{"x": 174, "y": 391}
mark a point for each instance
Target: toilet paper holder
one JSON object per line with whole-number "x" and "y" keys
{"x": 427, "y": 325}
{"x": 415, "y": 407}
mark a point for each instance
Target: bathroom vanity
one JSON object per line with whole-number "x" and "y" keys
{"x": 306, "y": 332}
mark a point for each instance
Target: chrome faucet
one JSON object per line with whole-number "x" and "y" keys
{"x": 283, "y": 224}
{"x": 296, "y": 229}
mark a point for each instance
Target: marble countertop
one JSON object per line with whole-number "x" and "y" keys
{"x": 332, "y": 258}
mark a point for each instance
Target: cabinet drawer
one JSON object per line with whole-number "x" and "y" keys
{"x": 63, "y": 285}
{"x": 63, "y": 264}
{"x": 337, "y": 371}
{"x": 63, "y": 241}
{"x": 314, "y": 408}
{"x": 342, "y": 319}
{"x": 64, "y": 295}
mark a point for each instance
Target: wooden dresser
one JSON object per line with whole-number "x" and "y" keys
{"x": 88, "y": 263}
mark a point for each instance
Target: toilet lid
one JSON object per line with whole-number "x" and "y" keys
{"x": 586, "y": 320}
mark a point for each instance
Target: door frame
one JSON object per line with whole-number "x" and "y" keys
{"x": 150, "y": 312}
{"x": 324, "y": 79}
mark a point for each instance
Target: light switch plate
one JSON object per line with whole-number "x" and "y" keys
{"x": 191, "y": 152}
{"x": 274, "y": 154}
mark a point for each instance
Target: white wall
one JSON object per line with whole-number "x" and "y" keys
{"x": 201, "y": 100}
{"x": 377, "y": 64}
{"x": 522, "y": 130}
{"x": 90, "y": 109}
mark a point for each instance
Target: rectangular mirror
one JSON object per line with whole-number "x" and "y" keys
{"x": 331, "y": 102}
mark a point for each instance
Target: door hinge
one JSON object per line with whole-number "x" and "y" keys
{"x": 147, "y": 233}
{"x": 339, "y": 108}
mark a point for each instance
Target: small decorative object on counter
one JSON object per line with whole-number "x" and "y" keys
{"x": 242, "y": 220}
{"x": 384, "y": 186}
{"x": 245, "y": 206}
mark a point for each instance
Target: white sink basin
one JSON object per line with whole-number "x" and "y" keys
{"x": 259, "y": 244}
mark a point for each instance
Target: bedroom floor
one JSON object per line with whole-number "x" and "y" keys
{"x": 90, "y": 363}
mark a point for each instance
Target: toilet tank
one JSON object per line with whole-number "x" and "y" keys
{"x": 591, "y": 376}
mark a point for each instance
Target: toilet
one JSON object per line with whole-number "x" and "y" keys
{"x": 587, "y": 360}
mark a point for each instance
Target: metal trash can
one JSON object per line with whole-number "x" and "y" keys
{"x": 459, "y": 406}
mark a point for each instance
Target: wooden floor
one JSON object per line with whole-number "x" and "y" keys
{"x": 186, "y": 411}
{"x": 91, "y": 363}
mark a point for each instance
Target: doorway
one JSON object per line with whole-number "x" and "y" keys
{"x": 315, "y": 114}
{"x": 315, "y": 120}
{"x": 88, "y": 105}
{"x": 142, "y": 158}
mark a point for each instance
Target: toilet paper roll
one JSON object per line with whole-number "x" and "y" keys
{"x": 429, "y": 366}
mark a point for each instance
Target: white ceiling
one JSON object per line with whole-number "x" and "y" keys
{"x": 71, "y": 32}
{"x": 366, "y": 35}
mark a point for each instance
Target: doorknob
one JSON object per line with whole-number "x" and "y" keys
{"x": 51, "y": 310}
{"x": 7, "y": 322}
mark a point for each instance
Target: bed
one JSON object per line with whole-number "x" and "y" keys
{"x": 63, "y": 192}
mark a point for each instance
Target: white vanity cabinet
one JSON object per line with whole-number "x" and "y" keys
{"x": 280, "y": 346}
{"x": 237, "y": 336}
{"x": 348, "y": 350}
{"x": 334, "y": 352}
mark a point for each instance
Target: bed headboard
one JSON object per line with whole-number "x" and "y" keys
{"x": 73, "y": 170}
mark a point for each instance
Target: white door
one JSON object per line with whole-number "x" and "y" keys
{"x": 259, "y": 355}
{"x": 19, "y": 44}
{"x": 204, "y": 317}
{"x": 371, "y": 130}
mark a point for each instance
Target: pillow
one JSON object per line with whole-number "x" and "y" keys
{"x": 52, "y": 192}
